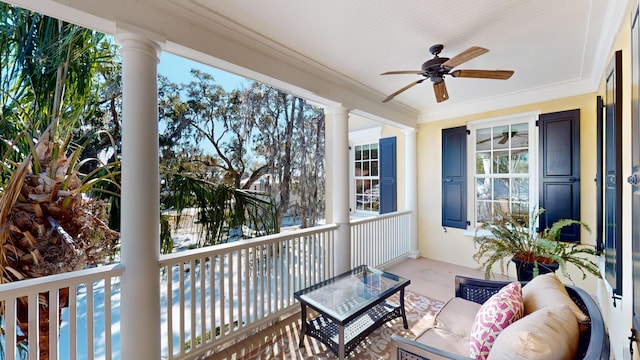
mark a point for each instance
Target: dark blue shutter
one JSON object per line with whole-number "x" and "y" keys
{"x": 454, "y": 177}
{"x": 560, "y": 170}
{"x": 613, "y": 174}
{"x": 634, "y": 179}
{"x": 388, "y": 186}
{"x": 599, "y": 178}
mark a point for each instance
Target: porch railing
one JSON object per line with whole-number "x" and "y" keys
{"x": 209, "y": 296}
{"x": 64, "y": 307}
{"x": 381, "y": 239}
{"x": 223, "y": 293}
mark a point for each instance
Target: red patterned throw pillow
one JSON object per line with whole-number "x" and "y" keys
{"x": 501, "y": 310}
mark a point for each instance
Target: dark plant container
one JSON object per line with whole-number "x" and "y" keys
{"x": 524, "y": 269}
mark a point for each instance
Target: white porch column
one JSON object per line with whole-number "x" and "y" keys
{"x": 140, "y": 200}
{"x": 411, "y": 187}
{"x": 337, "y": 157}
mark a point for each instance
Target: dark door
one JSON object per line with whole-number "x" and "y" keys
{"x": 560, "y": 170}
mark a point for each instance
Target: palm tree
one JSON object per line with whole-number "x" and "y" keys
{"x": 225, "y": 212}
{"x": 48, "y": 68}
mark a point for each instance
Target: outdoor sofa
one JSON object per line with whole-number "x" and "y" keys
{"x": 449, "y": 336}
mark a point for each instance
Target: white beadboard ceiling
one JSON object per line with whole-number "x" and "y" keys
{"x": 336, "y": 49}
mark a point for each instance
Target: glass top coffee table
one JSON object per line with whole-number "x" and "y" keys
{"x": 350, "y": 306}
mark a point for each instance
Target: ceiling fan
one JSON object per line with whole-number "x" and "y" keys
{"x": 435, "y": 70}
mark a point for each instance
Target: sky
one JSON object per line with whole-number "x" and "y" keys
{"x": 177, "y": 69}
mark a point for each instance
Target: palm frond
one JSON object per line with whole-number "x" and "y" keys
{"x": 224, "y": 211}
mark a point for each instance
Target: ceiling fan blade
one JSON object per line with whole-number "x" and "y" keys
{"x": 403, "y": 89}
{"x": 483, "y": 74}
{"x": 464, "y": 56}
{"x": 440, "y": 89}
{"x": 415, "y": 72}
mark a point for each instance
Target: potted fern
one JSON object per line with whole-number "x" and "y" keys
{"x": 514, "y": 237}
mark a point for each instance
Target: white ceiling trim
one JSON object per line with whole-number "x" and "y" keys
{"x": 545, "y": 93}
{"x": 614, "y": 18}
{"x": 66, "y": 13}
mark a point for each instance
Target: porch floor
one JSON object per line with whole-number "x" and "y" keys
{"x": 429, "y": 277}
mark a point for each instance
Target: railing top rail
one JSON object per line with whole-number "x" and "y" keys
{"x": 241, "y": 244}
{"x": 61, "y": 280}
{"x": 380, "y": 217}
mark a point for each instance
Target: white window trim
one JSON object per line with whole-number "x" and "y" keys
{"x": 360, "y": 137}
{"x": 528, "y": 117}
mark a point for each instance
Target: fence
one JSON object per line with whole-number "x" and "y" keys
{"x": 381, "y": 239}
{"x": 70, "y": 314}
{"x": 209, "y": 296}
{"x": 225, "y": 292}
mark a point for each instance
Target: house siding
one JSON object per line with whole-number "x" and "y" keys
{"x": 456, "y": 245}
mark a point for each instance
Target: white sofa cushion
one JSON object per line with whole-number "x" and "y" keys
{"x": 451, "y": 327}
{"x": 550, "y": 333}
{"x": 547, "y": 290}
{"x": 457, "y": 316}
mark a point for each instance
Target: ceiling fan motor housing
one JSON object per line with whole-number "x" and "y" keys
{"x": 433, "y": 68}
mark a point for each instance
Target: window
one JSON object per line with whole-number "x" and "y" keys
{"x": 366, "y": 178}
{"x": 515, "y": 164}
{"x": 503, "y": 166}
{"x": 373, "y": 173}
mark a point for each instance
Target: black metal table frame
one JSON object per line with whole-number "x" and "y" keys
{"x": 379, "y": 311}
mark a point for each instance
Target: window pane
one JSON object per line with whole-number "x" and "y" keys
{"x": 483, "y": 163}
{"x": 521, "y": 209}
{"x": 365, "y": 168}
{"x": 483, "y": 139}
{"x": 374, "y": 186}
{"x": 501, "y": 206}
{"x": 501, "y": 137}
{"x": 520, "y": 135}
{"x": 483, "y": 189}
{"x": 501, "y": 189}
{"x": 484, "y": 211}
{"x": 370, "y": 200}
{"x": 501, "y": 162}
{"x": 374, "y": 151}
{"x": 520, "y": 161}
{"x": 520, "y": 189}
{"x": 374, "y": 168}
{"x": 365, "y": 152}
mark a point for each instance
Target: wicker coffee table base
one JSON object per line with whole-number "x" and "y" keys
{"x": 328, "y": 332}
